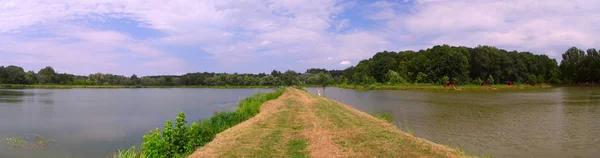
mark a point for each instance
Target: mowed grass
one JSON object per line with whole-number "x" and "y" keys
{"x": 299, "y": 124}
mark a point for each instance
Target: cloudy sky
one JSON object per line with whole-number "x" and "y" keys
{"x": 150, "y": 37}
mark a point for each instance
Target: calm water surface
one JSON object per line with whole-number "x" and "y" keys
{"x": 557, "y": 122}
{"x": 97, "y": 122}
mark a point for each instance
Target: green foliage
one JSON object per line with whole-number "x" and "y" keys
{"x": 385, "y": 116}
{"x": 289, "y": 78}
{"x": 421, "y": 78}
{"x": 444, "y": 80}
{"x": 323, "y": 79}
{"x": 532, "y": 79}
{"x": 490, "y": 79}
{"x": 179, "y": 140}
{"x": 478, "y": 81}
{"x": 394, "y": 78}
{"x": 132, "y": 152}
{"x": 459, "y": 64}
{"x": 47, "y": 75}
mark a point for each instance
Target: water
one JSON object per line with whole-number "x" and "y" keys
{"x": 97, "y": 122}
{"x": 557, "y": 122}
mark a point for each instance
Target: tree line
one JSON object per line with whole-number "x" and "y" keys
{"x": 16, "y": 75}
{"x": 437, "y": 65}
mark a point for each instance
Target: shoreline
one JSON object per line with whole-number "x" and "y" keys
{"x": 446, "y": 88}
{"x": 423, "y": 87}
{"x": 18, "y": 86}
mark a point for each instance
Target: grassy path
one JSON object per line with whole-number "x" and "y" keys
{"x": 299, "y": 124}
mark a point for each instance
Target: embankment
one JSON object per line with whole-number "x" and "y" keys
{"x": 299, "y": 124}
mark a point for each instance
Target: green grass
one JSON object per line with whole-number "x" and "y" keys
{"x": 385, "y": 116}
{"x": 296, "y": 148}
{"x": 132, "y": 152}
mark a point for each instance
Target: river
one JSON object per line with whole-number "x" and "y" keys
{"x": 97, "y": 122}
{"x": 556, "y": 122}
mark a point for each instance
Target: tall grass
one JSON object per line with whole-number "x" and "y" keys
{"x": 181, "y": 140}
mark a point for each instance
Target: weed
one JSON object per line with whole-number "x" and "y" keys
{"x": 385, "y": 116}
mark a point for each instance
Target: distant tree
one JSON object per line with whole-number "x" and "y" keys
{"x": 394, "y": 78}
{"x": 289, "y": 78}
{"x": 64, "y": 79}
{"x": 134, "y": 78}
{"x": 533, "y": 79}
{"x": 275, "y": 73}
{"x": 324, "y": 79}
{"x": 31, "y": 78}
{"x": 47, "y": 75}
{"x": 3, "y": 74}
{"x": 15, "y": 75}
{"x": 421, "y": 77}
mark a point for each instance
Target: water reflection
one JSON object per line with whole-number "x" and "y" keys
{"x": 97, "y": 122}
{"x": 558, "y": 122}
{"x": 11, "y": 96}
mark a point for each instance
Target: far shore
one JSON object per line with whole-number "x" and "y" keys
{"x": 470, "y": 87}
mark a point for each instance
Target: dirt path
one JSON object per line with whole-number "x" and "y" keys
{"x": 299, "y": 124}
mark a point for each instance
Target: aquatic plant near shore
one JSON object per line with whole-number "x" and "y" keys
{"x": 33, "y": 141}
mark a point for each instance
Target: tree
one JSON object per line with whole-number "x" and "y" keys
{"x": 30, "y": 78}
{"x": 135, "y": 79}
{"x": 15, "y": 75}
{"x": 421, "y": 77}
{"x": 532, "y": 79}
{"x": 289, "y": 78}
{"x": 394, "y": 78}
{"x": 323, "y": 79}
{"x": 47, "y": 75}
{"x": 64, "y": 78}
{"x": 275, "y": 73}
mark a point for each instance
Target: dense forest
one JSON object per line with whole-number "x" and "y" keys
{"x": 436, "y": 65}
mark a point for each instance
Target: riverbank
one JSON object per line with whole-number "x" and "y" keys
{"x": 21, "y": 86}
{"x": 299, "y": 124}
{"x": 440, "y": 87}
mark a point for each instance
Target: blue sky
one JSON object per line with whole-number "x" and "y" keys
{"x": 151, "y": 37}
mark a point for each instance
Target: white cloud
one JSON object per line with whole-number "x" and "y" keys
{"x": 230, "y": 31}
{"x": 345, "y": 63}
{"x": 264, "y": 43}
{"x": 526, "y": 25}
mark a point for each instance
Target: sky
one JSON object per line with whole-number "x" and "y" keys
{"x": 158, "y": 37}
